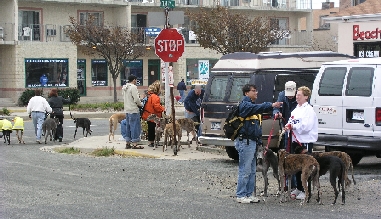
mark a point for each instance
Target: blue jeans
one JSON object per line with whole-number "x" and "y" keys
{"x": 247, "y": 167}
{"x": 181, "y": 95}
{"x": 38, "y": 119}
{"x": 133, "y": 127}
{"x": 123, "y": 127}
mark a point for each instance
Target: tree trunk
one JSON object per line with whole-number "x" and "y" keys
{"x": 115, "y": 94}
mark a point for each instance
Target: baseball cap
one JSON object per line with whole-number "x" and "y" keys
{"x": 290, "y": 89}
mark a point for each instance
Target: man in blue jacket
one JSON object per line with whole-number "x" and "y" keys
{"x": 181, "y": 87}
{"x": 192, "y": 104}
{"x": 43, "y": 80}
{"x": 246, "y": 142}
{"x": 287, "y": 97}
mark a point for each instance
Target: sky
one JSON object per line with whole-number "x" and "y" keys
{"x": 316, "y": 4}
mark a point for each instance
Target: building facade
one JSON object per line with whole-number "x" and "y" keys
{"x": 33, "y": 43}
{"x": 359, "y": 29}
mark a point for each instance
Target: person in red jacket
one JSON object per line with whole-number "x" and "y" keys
{"x": 153, "y": 106}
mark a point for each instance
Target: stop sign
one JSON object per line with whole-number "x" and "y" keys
{"x": 169, "y": 45}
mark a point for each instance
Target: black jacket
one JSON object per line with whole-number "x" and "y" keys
{"x": 56, "y": 103}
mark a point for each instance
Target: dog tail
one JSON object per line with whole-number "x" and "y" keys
{"x": 351, "y": 166}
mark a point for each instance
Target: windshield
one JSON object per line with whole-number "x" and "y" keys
{"x": 218, "y": 88}
{"x": 236, "y": 91}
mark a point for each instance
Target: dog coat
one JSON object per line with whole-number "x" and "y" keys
{"x": 1, "y": 125}
{"x": 7, "y": 125}
{"x": 18, "y": 123}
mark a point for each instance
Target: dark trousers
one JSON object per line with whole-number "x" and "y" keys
{"x": 59, "y": 130}
{"x": 151, "y": 130}
{"x": 307, "y": 146}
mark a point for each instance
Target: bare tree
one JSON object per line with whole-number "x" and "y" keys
{"x": 226, "y": 31}
{"x": 113, "y": 43}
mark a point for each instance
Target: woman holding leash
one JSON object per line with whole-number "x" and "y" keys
{"x": 56, "y": 103}
{"x": 304, "y": 126}
{"x": 153, "y": 106}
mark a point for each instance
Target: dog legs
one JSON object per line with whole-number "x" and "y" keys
{"x": 19, "y": 136}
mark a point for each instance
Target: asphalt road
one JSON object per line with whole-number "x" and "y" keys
{"x": 37, "y": 184}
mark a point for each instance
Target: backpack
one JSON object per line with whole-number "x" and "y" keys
{"x": 144, "y": 101}
{"x": 233, "y": 123}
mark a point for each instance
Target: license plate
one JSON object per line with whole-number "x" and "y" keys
{"x": 358, "y": 116}
{"x": 215, "y": 126}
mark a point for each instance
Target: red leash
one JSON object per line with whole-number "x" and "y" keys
{"x": 270, "y": 135}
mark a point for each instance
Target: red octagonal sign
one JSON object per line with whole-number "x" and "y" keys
{"x": 169, "y": 45}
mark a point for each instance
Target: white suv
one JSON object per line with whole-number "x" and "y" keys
{"x": 346, "y": 97}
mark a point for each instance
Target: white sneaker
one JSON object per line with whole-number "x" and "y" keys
{"x": 121, "y": 139}
{"x": 253, "y": 199}
{"x": 244, "y": 200}
{"x": 295, "y": 192}
{"x": 301, "y": 196}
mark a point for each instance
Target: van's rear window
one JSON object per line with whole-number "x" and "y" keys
{"x": 331, "y": 82}
{"x": 218, "y": 88}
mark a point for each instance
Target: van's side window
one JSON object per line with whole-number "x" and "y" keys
{"x": 236, "y": 91}
{"x": 359, "y": 82}
{"x": 218, "y": 88}
{"x": 332, "y": 80}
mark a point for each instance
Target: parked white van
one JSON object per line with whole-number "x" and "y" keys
{"x": 346, "y": 97}
{"x": 269, "y": 71}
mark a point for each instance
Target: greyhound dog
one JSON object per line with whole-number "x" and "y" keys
{"x": 50, "y": 126}
{"x": 6, "y": 128}
{"x": 82, "y": 122}
{"x": 19, "y": 128}
{"x": 336, "y": 169}
{"x": 113, "y": 122}
{"x": 290, "y": 164}
{"x": 266, "y": 159}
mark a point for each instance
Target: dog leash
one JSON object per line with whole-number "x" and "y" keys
{"x": 270, "y": 135}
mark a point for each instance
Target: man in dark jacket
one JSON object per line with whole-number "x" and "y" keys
{"x": 246, "y": 142}
{"x": 181, "y": 87}
{"x": 192, "y": 104}
{"x": 287, "y": 97}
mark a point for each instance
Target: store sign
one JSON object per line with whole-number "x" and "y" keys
{"x": 365, "y": 35}
{"x": 203, "y": 69}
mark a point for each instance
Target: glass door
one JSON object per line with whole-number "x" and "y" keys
{"x": 81, "y": 76}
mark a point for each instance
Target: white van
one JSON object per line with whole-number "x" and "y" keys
{"x": 269, "y": 71}
{"x": 346, "y": 97}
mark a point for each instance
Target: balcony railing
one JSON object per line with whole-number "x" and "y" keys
{"x": 57, "y": 33}
{"x": 260, "y": 4}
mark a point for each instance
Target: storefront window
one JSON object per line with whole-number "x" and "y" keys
{"x": 46, "y": 73}
{"x": 197, "y": 66}
{"x": 132, "y": 67}
{"x": 98, "y": 72}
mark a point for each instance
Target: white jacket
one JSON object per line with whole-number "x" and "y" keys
{"x": 304, "y": 123}
{"x": 131, "y": 98}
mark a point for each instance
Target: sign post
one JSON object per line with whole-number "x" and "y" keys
{"x": 169, "y": 47}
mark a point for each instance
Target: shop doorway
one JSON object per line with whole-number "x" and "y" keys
{"x": 81, "y": 76}
{"x": 153, "y": 70}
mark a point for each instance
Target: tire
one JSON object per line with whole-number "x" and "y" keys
{"x": 356, "y": 158}
{"x": 232, "y": 153}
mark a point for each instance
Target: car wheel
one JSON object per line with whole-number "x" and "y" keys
{"x": 232, "y": 153}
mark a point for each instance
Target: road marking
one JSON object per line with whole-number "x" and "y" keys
{"x": 73, "y": 126}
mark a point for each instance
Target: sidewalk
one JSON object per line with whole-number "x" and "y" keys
{"x": 89, "y": 144}
{"x": 21, "y": 112}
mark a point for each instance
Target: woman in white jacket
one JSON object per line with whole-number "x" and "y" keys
{"x": 303, "y": 123}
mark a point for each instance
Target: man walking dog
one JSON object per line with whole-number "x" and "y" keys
{"x": 37, "y": 107}
{"x": 246, "y": 142}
